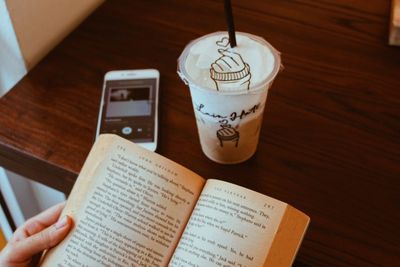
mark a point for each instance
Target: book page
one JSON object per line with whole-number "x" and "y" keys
{"x": 129, "y": 206}
{"x": 230, "y": 226}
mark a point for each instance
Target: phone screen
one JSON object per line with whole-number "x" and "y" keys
{"x": 129, "y": 109}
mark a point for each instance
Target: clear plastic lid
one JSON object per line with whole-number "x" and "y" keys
{"x": 253, "y": 87}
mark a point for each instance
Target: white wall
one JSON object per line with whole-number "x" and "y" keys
{"x": 4, "y": 226}
{"x": 12, "y": 66}
{"x": 24, "y": 198}
{"x": 11, "y": 199}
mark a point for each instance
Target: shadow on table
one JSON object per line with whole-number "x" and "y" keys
{"x": 300, "y": 264}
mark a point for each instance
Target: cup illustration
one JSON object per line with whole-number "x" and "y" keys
{"x": 229, "y": 87}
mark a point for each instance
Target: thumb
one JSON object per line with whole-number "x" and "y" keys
{"x": 45, "y": 239}
{"x": 236, "y": 57}
{"x": 227, "y": 52}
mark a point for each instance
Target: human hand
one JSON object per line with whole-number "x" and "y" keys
{"x": 228, "y": 62}
{"x": 36, "y": 235}
{"x": 230, "y": 72}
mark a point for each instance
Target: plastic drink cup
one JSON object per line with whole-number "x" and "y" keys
{"x": 229, "y": 88}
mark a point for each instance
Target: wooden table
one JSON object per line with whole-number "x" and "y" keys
{"x": 330, "y": 141}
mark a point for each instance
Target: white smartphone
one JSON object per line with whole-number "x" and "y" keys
{"x": 129, "y": 106}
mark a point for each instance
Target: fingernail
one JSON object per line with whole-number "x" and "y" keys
{"x": 61, "y": 222}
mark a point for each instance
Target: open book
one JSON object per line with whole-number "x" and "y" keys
{"x": 133, "y": 207}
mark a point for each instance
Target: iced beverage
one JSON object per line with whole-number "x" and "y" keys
{"x": 229, "y": 88}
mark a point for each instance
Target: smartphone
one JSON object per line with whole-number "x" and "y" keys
{"x": 129, "y": 106}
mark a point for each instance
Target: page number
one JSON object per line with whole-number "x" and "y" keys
{"x": 121, "y": 148}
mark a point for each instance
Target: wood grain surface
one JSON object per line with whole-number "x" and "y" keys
{"x": 330, "y": 140}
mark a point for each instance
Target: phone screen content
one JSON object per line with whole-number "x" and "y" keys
{"x": 129, "y": 109}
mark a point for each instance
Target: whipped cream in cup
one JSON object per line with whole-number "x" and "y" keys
{"x": 229, "y": 87}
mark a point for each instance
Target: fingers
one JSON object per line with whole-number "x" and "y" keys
{"x": 219, "y": 67}
{"x": 232, "y": 55}
{"x": 226, "y": 64}
{"x": 39, "y": 233}
{"x": 42, "y": 240}
{"x": 230, "y": 61}
{"x": 39, "y": 222}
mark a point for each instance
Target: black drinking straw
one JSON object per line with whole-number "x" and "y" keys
{"x": 229, "y": 21}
